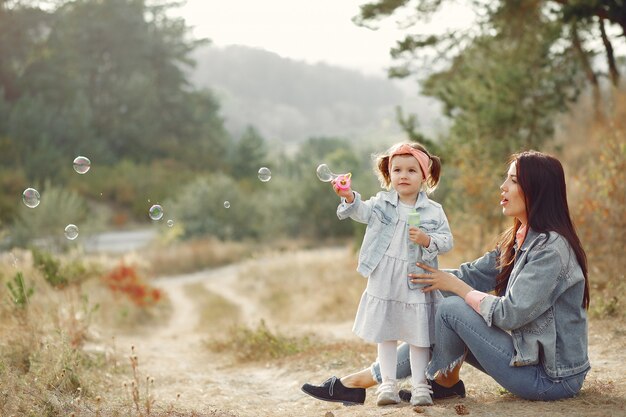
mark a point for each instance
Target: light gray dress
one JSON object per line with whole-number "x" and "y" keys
{"x": 389, "y": 309}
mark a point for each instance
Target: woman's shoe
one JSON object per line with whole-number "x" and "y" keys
{"x": 333, "y": 390}
{"x": 439, "y": 391}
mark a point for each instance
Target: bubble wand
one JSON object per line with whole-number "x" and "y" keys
{"x": 342, "y": 181}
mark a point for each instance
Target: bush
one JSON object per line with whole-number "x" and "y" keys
{"x": 127, "y": 281}
{"x": 200, "y": 209}
{"x": 44, "y": 225}
{"x": 599, "y": 217}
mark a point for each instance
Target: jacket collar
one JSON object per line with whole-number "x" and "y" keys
{"x": 531, "y": 236}
{"x": 393, "y": 198}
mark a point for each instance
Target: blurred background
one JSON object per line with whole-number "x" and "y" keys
{"x": 167, "y": 116}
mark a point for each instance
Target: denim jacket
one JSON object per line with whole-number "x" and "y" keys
{"x": 542, "y": 304}
{"x": 381, "y": 215}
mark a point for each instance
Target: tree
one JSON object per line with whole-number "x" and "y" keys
{"x": 502, "y": 82}
{"x": 248, "y": 155}
{"x": 577, "y": 17}
{"x": 108, "y": 80}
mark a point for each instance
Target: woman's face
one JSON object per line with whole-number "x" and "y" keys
{"x": 512, "y": 201}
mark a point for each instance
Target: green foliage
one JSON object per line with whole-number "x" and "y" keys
{"x": 12, "y": 183}
{"x": 70, "y": 85}
{"x": 199, "y": 208}
{"x": 503, "y": 82}
{"x": 20, "y": 292}
{"x": 132, "y": 187}
{"x": 315, "y": 203}
{"x": 248, "y": 155}
{"x": 50, "y": 268}
{"x": 45, "y": 224}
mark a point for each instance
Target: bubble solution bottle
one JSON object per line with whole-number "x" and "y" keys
{"x": 413, "y": 219}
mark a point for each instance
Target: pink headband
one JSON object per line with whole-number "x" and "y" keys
{"x": 421, "y": 157}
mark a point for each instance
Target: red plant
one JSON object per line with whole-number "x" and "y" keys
{"x": 125, "y": 280}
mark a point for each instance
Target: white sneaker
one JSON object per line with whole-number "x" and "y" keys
{"x": 388, "y": 393}
{"x": 421, "y": 394}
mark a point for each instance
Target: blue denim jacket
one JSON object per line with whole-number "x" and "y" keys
{"x": 542, "y": 305}
{"x": 381, "y": 215}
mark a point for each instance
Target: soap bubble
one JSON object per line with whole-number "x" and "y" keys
{"x": 156, "y": 212}
{"x": 71, "y": 231}
{"x": 31, "y": 197}
{"x": 324, "y": 173}
{"x": 226, "y": 204}
{"x": 82, "y": 164}
{"x": 170, "y": 223}
{"x": 265, "y": 174}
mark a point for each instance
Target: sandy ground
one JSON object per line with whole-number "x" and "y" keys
{"x": 175, "y": 355}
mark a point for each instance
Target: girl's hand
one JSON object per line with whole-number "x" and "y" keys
{"x": 440, "y": 280}
{"x": 347, "y": 194}
{"x": 416, "y": 235}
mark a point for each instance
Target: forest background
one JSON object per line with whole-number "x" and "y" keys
{"x": 116, "y": 81}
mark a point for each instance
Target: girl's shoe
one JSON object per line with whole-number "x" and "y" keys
{"x": 421, "y": 395}
{"x": 387, "y": 393}
{"x": 439, "y": 392}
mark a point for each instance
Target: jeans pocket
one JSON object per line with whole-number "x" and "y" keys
{"x": 547, "y": 388}
{"x": 574, "y": 384}
{"x": 560, "y": 388}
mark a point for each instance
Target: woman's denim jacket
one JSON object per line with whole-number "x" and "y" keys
{"x": 381, "y": 215}
{"x": 542, "y": 305}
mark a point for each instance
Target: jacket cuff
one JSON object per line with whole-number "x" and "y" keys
{"x": 345, "y": 209}
{"x": 473, "y": 298}
{"x": 431, "y": 251}
{"x": 487, "y": 307}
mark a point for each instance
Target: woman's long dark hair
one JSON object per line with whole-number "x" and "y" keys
{"x": 542, "y": 181}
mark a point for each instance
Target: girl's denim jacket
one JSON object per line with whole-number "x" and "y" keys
{"x": 542, "y": 304}
{"x": 381, "y": 215}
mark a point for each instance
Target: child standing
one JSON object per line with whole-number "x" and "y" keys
{"x": 391, "y": 308}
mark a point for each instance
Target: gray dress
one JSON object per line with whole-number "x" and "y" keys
{"x": 389, "y": 309}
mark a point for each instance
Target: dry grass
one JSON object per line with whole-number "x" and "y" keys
{"x": 41, "y": 372}
{"x": 195, "y": 255}
{"x": 305, "y": 290}
{"x": 191, "y": 256}
{"x": 214, "y": 311}
{"x": 46, "y": 368}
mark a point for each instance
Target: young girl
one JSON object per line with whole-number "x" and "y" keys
{"x": 392, "y": 308}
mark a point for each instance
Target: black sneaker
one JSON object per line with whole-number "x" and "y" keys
{"x": 333, "y": 390}
{"x": 439, "y": 392}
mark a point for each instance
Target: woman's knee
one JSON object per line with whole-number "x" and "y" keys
{"x": 452, "y": 306}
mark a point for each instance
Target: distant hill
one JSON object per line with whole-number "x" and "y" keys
{"x": 289, "y": 101}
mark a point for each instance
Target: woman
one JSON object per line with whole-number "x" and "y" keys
{"x": 531, "y": 336}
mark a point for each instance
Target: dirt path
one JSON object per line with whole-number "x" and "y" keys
{"x": 175, "y": 356}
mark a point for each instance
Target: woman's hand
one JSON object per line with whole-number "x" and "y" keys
{"x": 347, "y": 194}
{"x": 416, "y": 235}
{"x": 440, "y": 280}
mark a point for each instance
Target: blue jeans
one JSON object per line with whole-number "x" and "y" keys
{"x": 459, "y": 329}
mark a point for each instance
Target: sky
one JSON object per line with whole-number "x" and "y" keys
{"x": 306, "y": 30}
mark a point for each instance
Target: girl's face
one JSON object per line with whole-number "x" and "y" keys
{"x": 512, "y": 201}
{"x": 406, "y": 177}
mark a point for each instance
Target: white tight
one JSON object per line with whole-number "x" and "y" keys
{"x": 387, "y": 358}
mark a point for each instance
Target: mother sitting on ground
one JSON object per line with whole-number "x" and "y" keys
{"x": 531, "y": 336}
